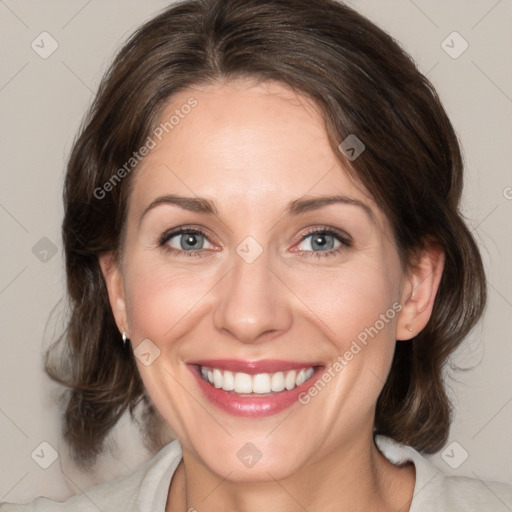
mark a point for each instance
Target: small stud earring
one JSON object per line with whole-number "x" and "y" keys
{"x": 124, "y": 339}
{"x": 409, "y": 327}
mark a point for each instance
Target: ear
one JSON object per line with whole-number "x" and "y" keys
{"x": 419, "y": 291}
{"x": 115, "y": 287}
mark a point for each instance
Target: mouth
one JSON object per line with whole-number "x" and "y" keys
{"x": 261, "y": 383}
{"x": 253, "y": 389}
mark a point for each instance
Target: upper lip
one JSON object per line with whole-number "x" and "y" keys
{"x": 254, "y": 367}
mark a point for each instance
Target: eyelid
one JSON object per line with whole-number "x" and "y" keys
{"x": 170, "y": 233}
{"x": 342, "y": 236}
{"x": 344, "y": 239}
{"x": 163, "y": 239}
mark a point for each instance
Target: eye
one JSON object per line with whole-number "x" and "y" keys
{"x": 319, "y": 241}
{"x": 323, "y": 242}
{"x": 185, "y": 240}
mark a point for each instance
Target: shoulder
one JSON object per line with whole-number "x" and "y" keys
{"x": 144, "y": 489}
{"x": 435, "y": 491}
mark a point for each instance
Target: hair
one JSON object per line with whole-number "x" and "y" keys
{"x": 363, "y": 83}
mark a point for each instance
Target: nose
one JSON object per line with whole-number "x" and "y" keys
{"x": 253, "y": 303}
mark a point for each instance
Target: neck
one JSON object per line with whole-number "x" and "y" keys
{"x": 353, "y": 477}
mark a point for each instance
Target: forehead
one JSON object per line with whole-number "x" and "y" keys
{"x": 262, "y": 141}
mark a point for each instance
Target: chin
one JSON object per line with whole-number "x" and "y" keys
{"x": 246, "y": 461}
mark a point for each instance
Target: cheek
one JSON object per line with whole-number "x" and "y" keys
{"x": 160, "y": 298}
{"x": 357, "y": 312}
{"x": 350, "y": 299}
{"x": 356, "y": 307}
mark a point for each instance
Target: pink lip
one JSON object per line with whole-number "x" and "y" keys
{"x": 248, "y": 405}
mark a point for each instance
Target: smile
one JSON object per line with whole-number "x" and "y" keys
{"x": 253, "y": 388}
{"x": 259, "y": 384}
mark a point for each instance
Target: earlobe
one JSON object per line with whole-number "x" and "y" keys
{"x": 115, "y": 288}
{"x": 419, "y": 291}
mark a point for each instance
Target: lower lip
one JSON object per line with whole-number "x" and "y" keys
{"x": 252, "y": 406}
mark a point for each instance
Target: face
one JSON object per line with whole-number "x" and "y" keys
{"x": 238, "y": 269}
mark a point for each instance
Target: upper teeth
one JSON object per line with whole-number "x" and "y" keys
{"x": 259, "y": 383}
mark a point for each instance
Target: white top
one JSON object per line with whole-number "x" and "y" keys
{"x": 146, "y": 489}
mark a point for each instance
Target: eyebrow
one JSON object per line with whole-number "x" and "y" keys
{"x": 295, "y": 207}
{"x": 299, "y": 206}
{"x": 192, "y": 204}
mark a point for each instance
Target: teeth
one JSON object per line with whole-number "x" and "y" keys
{"x": 217, "y": 378}
{"x": 243, "y": 383}
{"x": 260, "y": 383}
{"x": 289, "y": 380}
{"x": 277, "y": 382}
{"x": 301, "y": 377}
{"x": 228, "y": 382}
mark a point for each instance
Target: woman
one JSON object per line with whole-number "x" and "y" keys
{"x": 263, "y": 246}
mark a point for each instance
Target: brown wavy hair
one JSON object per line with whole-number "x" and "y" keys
{"x": 363, "y": 83}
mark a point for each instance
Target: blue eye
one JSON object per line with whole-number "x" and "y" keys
{"x": 323, "y": 242}
{"x": 194, "y": 242}
{"x": 320, "y": 241}
{"x": 186, "y": 240}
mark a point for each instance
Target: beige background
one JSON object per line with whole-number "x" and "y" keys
{"x": 42, "y": 102}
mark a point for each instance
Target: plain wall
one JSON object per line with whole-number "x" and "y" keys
{"x": 42, "y": 102}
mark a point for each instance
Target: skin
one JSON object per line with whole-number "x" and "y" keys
{"x": 251, "y": 148}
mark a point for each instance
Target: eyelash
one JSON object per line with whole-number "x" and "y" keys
{"x": 344, "y": 240}
{"x": 181, "y": 231}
